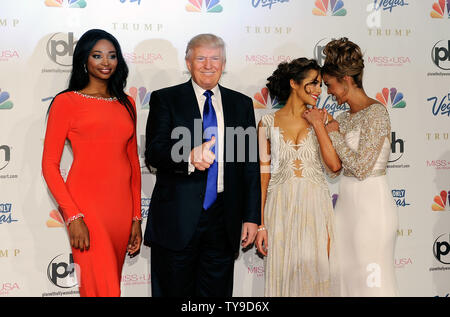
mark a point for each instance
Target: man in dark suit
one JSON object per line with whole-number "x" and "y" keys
{"x": 207, "y": 193}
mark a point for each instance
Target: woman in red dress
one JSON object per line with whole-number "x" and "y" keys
{"x": 101, "y": 198}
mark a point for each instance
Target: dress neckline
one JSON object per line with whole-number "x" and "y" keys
{"x": 289, "y": 141}
{"x": 95, "y": 97}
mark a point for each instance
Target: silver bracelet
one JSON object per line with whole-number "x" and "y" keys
{"x": 80, "y": 215}
{"x": 261, "y": 229}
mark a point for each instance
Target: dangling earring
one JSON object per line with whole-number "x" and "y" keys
{"x": 85, "y": 69}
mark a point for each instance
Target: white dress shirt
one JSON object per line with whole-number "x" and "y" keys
{"x": 217, "y": 104}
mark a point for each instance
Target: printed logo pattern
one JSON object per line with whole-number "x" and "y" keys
{"x": 323, "y": 7}
{"x": 262, "y": 100}
{"x": 67, "y": 3}
{"x": 441, "y": 201}
{"x": 439, "y": 9}
{"x": 5, "y": 103}
{"x": 55, "y": 220}
{"x": 212, "y": 6}
{"x": 144, "y": 96}
{"x": 391, "y": 97}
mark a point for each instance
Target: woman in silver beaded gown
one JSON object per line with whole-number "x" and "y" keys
{"x": 297, "y": 234}
{"x": 366, "y": 215}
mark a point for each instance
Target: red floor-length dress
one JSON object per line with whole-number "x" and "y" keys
{"x": 104, "y": 182}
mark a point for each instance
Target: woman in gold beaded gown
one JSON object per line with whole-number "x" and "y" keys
{"x": 297, "y": 232}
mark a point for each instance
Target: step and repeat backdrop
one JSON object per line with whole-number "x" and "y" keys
{"x": 406, "y": 44}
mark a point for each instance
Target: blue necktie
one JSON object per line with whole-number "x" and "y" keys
{"x": 210, "y": 127}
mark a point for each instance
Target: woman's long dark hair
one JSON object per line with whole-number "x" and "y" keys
{"x": 79, "y": 78}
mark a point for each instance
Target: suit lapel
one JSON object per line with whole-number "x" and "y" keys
{"x": 188, "y": 106}
{"x": 189, "y": 101}
{"x": 227, "y": 107}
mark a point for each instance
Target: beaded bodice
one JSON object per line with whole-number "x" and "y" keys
{"x": 286, "y": 157}
{"x": 362, "y": 142}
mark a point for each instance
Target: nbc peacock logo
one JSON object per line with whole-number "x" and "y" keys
{"x": 55, "y": 221}
{"x": 66, "y": 3}
{"x": 329, "y": 7}
{"x": 391, "y": 97}
{"x": 439, "y": 10}
{"x": 143, "y": 94}
{"x": 5, "y": 103}
{"x": 441, "y": 202}
{"x": 262, "y": 100}
{"x": 212, "y": 6}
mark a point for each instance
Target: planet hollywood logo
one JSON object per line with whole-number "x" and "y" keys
{"x": 391, "y": 97}
{"x": 6, "y": 157}
{"x": 388, "y": 4}
{"x": 439, "y": 11}
{"x": 397, "y": 151}
{"x": 211, "y": 6}
{"x": 66, "y": 3}
{"x": 440, "y": 54}
{"x": 60, "y": 48}
{"x": 399, "y": 196}
{"x": 5, "y": 102}
{"x": 266, "y": 3}
{"x": 441, "y": 105}
{"x": 319, "y": 56}
{"x": 61, "y": 273}
{"x": 7, "y": 55}
{"x": 262, "y": 100}
{"x": 142, "y": 58}
{"x": 267, "y": 60}
{"x": 441, "y": 248}
{"x": 329, "y": 7}
{"x": 143, "y": 94}
{"x": 6, "y": 214}
{"x": 441, "y": 201}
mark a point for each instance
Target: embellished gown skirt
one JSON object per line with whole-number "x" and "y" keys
{"x": 366, "y": 231}
{"x": 301, "y": 258}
